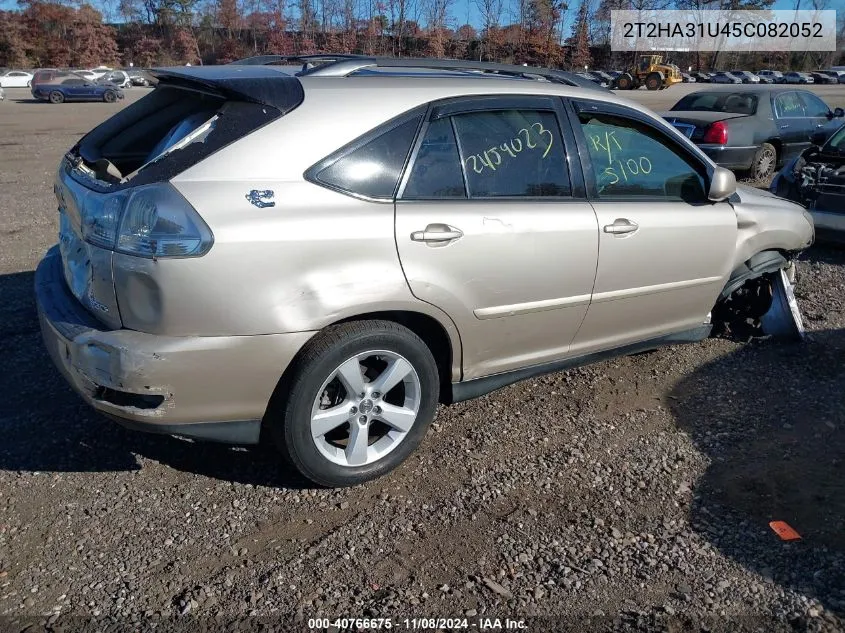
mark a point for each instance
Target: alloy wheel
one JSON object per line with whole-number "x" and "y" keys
{"x": 765, "y": 165}
{"x": 365, "y": 408}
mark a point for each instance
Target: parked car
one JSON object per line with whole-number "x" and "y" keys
{"x": 775, "y": 75}
{"x": 768, "y": 81}
{"x": 746, "y": 76}
{"x": 688, "y": 78}
{"x": 2, "y": 94}
{"x": 821, "y": 77}
{"x": 724, "y": 77}
{"x": 119, "y": 78}
{"x": 701, "y": 77}
{"x": 99, "y": 71}
{"x": 839, "y": 74}
{"x": 76, "y": 89}
{"x": 816, "y": 179}
{"x": 138, "y": 78}
{"x": 327, "y": 297}
{"x": 46, "y": 75}
{"x": 15, "y": 79}
{"x": 752, "y": 129}
{"x": 594, "y": 78}
{"x": 88, "y": 75}
{"x": 798, "y": 78}
{"x": 603, "y": 78}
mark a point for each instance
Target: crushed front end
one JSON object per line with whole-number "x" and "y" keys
{"x": 816, "y": 179}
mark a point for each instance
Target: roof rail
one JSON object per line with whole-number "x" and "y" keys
{"x": 346, "y": 65}
{"x": 308, "y": 61}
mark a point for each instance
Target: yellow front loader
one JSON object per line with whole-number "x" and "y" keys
{"x": 650, "y": 72}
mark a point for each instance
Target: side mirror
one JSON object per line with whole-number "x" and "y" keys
{"x": 838, "y": 112}
{"x": 818, "y": 138}
{"x": 722, "y": 185}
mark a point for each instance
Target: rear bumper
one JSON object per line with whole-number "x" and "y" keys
{"x": 206, "y": 387}
{"x": 730, "y": 157}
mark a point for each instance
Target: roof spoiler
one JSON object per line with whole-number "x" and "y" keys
{"x": 254, "y": 83}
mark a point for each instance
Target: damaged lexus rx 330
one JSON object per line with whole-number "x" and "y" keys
{"x": 320, "y": 260}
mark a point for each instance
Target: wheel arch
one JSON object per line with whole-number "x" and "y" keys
{"x": 445, "y": 348}
{"x": 756, "y": 299}
{"x": 757, "y": 265}
{"x": 442, "y": 340}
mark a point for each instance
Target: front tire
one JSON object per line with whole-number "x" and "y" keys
{"x": 359, "y": 400}
{"x": 109, "y": 96}
{"x": 625, "y": 82}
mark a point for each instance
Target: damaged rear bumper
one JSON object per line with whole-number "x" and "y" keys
{"x": 213, "y": 388}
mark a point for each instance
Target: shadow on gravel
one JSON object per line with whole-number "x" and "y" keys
{"x": 46, "y": 427}
{"x": 771, "y": 418}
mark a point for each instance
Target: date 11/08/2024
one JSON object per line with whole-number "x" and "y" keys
{"x": 417, "y": 624}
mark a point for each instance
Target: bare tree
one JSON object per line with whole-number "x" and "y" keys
{"x": 436, "y": 14}
{"x": 491, "y": 16}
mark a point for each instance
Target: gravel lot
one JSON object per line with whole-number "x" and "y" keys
{"x": 633, "y": 495}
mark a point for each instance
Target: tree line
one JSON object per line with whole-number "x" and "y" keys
{"x": 552, "y": 33}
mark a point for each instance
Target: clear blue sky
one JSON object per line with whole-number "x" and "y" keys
{"x": 463, "y": 11}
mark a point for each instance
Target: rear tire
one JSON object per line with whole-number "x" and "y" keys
{"x": 764, "y": 163}
{"x": 369, "y": 435}
{"x": 56, "y": 97}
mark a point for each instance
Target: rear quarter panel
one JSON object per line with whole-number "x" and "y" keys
{"x": 309, "y": 258}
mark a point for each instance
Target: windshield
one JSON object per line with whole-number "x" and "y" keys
{"x": 836, "y": 144}
{"x": 728, "y": 102}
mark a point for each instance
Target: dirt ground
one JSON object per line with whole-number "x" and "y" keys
{"x": 632, "y": 495}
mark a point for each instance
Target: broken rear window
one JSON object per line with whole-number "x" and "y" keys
{"x": 180, "y": 123}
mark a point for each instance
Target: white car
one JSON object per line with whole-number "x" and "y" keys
{"x": 99, "y": 71}
{"x": 90, "y": 75}
{"x": 119, "y": 78}
{"x": 15, "y": 79}
{"x": 2, "y": 96}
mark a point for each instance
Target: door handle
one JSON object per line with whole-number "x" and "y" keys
{"x": 621, "y": 226}
{"x": 783, "y": 127}
{"x": 437, "y": 233}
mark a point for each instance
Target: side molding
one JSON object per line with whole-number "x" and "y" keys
{"x": 481, "y": 386}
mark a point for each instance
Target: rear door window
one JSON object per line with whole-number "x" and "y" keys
{"x": 512, "y": 153}
{"x": 436, "y": 172}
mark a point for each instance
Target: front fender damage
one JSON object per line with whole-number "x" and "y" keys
{"x": 759, "y": 300}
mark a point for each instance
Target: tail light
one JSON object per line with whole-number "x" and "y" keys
{"x": 716, "y": 134}
{"x": 151, "y": 221}
{"x": 159, "y": 222}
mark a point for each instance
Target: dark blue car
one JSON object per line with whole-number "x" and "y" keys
{"x": 76, "y": 89}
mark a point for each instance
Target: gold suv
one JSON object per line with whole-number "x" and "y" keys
{"x": 320, "y": 259}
